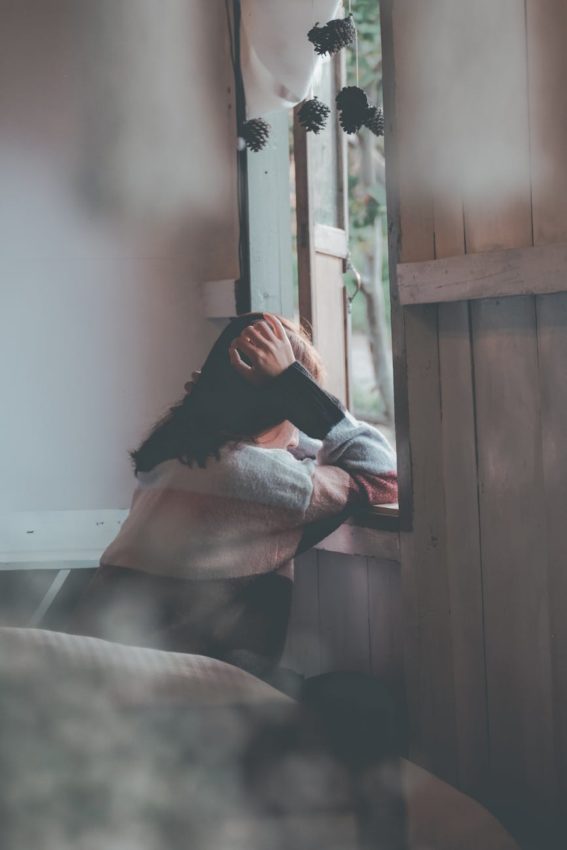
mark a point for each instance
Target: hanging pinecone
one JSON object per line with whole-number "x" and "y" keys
{"x": 353, "y": 107}
{"x": 333, "y": 35}
{"x": 255, "y": 133}
{"x": 313, "y": 115}
{"x": 341, "y": 32}
{"x": 318, "y": 37}
{"x": 375, "y": 120}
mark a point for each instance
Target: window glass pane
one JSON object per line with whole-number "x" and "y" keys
{"x": 371, "y": 345}
{"x": 323, "y": 151}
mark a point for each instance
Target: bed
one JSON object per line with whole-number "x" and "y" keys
{"x": 117, "y": 747}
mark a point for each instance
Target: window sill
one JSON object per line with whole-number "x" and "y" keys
{"x": 384, "y": 517}
{"x": 373, "y": 532}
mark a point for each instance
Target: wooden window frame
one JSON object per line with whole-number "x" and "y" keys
{"x": 380, "y": 517}
{"x": 266, "y": 284}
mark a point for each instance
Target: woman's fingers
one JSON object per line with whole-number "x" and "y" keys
{"x": 276, "y": 325}
{"x": 248, "y": 347}
{"x": 241, "y": 367}
{"x": 257, "y": 338}
{"x": 264, "y": 327}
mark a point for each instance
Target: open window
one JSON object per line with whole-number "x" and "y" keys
{"x": 339, "y": 200}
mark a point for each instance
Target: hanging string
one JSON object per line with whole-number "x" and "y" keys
{"x": 355, "y": 42}
{"x": 312, "y": 83}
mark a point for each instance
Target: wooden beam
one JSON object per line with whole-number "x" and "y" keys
{"x": 531, "y": 270}
{"x": 331, "y": 240}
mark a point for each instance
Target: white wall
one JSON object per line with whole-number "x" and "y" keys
{"x": 118, "y": 176}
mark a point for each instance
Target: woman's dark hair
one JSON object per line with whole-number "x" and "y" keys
{"x": 223, "y": 406}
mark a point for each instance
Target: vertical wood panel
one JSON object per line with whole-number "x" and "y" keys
{"x": 478, "y": 544}
{"x": 343, "y": 612}
{"x": 458, "y": 427}
{"x": 463, "y": 544}
{"x": 385, "y": 619}
{"x": 552, "y": 340}
{"x": 497, "y": 174}
{"x": 428, "y": 656}
{"x": 547, "y": 64}
{"x": 513, "y": 550}
{"x": 425, "y": 593}
{"x": 303, "y": 647}
{"x": 513, "y": 538}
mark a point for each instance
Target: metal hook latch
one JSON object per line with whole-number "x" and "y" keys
{"x": 349, "y": 266}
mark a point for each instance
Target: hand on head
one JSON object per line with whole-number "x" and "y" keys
{"x": 266, "y": 347}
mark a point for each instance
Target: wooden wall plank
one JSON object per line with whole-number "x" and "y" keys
{"x": 552, "y": 352}
{"x": 547, "y": 71}
{"x": 496, "y": 182}
{"x": 385, "y": 619}
{"x": 493, "y": 274}
{"x": 425, "y": 593}
{"x": 463, "y": 545}
{"x": 426, "y": 604}
{"x": 513, "y": 540}
{"x": 547, "y": 66}
{"x": 343, "y": 612}
{"x": 461, "y": 502}
{"x": 303, "y": 647}
{"x": 498, "y": 215}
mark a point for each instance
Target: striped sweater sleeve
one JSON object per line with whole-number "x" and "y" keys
{"x": 354, "y": 464}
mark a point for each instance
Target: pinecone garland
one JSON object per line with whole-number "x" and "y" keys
{"x": 333, "y": 36}
{"x": 353, "y": 107}
{"x": 255, "y": 133}
{"x": 375, "y": 120}
{"x": 313, "y": 115}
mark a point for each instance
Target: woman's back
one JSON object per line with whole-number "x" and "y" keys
{"x": 204, "y": 561}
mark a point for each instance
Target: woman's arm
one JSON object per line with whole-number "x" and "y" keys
{"x": 354, "y": 462}
{"x": 347, "y": 444}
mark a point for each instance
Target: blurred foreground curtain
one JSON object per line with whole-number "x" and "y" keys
{"x": 277, "y": 60}
{"x": 156, "y": 87}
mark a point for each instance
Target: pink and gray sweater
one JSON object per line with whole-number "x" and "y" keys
{"x": 202, "y": 562}
{"x": 253, "y": 509}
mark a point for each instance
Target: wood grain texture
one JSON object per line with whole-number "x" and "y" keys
{"x": 514, "y": 552}
{"x": 507, "y": 395}
{"x": 496, "y": 181}
{"x": 425, "y": 583}
{"x": 397, "y": 316}
{"x": 464, "y": 568}
{"x": 343, "y": 613}
{"x": 552, "y": 359}
{"x": 547, "y": 71}
{"x": 491, "y": 274}
{"x": 385, "y": 619}
{"x": 425, "y": 593}
{"x": 352, "y": 539}
{"x": 304, "y": 221}
{"x": 303, "y": 647}
{"x": 464, "y": 565}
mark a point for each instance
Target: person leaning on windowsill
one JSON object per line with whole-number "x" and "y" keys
{"x": 256, "y": 464}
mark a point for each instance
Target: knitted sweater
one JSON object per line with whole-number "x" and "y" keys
{"x": 252, "y": 509}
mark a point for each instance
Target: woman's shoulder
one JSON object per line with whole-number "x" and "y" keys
{"x": 248, "y": 472}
